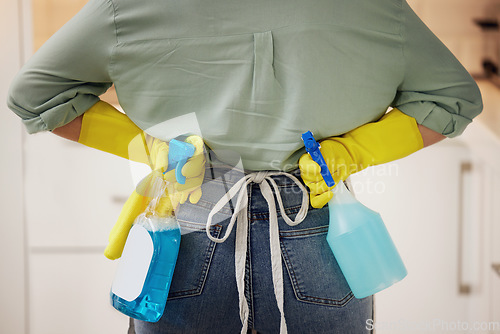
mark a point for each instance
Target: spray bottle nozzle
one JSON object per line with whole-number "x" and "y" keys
{"x": 312, "y": 147}
{"x": 178, "y": 154}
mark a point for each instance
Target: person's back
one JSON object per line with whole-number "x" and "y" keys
{"x": 275, "y": 67}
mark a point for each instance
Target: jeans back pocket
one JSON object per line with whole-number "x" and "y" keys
{"x": 315, "y": 275}
{"x": 193, "y": 262}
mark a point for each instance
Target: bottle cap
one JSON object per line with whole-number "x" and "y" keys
{"x": 178, "y": 154}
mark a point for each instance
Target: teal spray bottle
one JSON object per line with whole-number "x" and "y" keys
{"x": 141, "y": 284}
{"x": 357, "y": 236}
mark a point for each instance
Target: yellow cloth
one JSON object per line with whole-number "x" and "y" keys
{"x": 394, "y": 136}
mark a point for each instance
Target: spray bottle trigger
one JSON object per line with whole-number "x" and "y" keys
{"x": 312, "y": 147}
{"x": 178, "y": 154}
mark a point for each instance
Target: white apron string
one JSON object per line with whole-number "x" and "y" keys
{"x": 263, "y": 178}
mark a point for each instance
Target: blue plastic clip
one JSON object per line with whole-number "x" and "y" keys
{"x": 312, "y": 147}
{"x": 178, "y": 154}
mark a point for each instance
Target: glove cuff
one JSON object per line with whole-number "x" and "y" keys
{"x": 394, "y": 136}
{"x": 107, "y": 129}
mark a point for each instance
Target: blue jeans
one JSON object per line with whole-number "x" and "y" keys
{"x": 203, "y": 295}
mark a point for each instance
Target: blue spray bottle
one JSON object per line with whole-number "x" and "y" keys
{"x": 358, "y": 237}
{"x": 145, "y": 271}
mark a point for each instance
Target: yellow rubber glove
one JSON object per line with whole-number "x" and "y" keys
{"x": 106, "y": 129}
{"x": 158, "y": 152}
{"x": 394, "y": 136}
{"x": 141, "y": 197}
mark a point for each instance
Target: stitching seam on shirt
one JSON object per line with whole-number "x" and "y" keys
{"x": 247, "y": 34}
{"x": 114, "y": 19}
{"x": 402, "y": 30}
{"x": 112, "y": 53}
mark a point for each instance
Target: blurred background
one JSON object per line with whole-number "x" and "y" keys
{"x": 59, "y": 200}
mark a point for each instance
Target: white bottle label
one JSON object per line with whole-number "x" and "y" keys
{"x": 134, "y": 264}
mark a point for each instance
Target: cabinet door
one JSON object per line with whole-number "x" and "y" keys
{"x": 73, "y": 197}
{"x": 421, "y": 199}
{"x": 495, "y": 254}
{"x": 74, "y": 194}
{"x": 69, "y": 293}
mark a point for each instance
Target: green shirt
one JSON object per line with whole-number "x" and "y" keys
{"x": 256, "y": 74}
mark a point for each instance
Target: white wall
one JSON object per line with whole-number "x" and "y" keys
{"x": 12, "y": 240}
{"x": 38, "y": 274}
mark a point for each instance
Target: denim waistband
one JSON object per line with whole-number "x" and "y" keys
{"x": 230, "y": 174}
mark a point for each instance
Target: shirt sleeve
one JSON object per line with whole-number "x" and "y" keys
{"x": 65, "y": 77}
{"x": 436, "y": 89}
